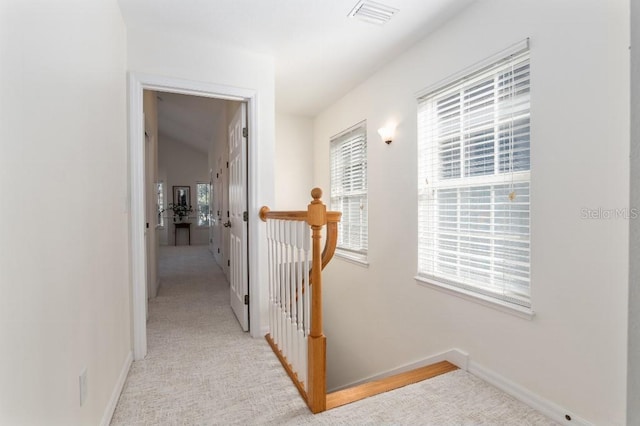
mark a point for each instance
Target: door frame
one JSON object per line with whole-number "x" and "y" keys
{"x": 137, "y": 256}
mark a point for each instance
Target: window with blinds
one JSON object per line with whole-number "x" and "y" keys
{"x": 349, "y": 189}
{"x": 202, "y": 203}
{"x": 474, "y": 182}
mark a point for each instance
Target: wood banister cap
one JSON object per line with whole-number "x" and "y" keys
{"x": 263, "y": 213}
{"x": 316, "y": 194}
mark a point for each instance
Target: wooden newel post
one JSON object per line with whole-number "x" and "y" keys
{"x": 317, "y": 386}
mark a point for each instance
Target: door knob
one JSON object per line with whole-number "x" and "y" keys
{"x": 227, "y": 224}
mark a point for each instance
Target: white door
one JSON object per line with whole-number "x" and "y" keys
{"x": 237, "y": 225}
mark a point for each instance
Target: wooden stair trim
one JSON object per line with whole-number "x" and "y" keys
{"x": 294, "y": 377}
{"x": 376, "y": 387}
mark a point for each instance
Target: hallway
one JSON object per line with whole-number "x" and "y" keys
{"x": 199, "y": 361}
{"x": 201, "y": 369}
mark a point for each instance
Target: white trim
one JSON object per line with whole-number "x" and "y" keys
{"x": 500, "y": 305}
{"x": 254, "y": 170}
{"x": 454, "y": 356}
{"x": 117, "y": 390}
{"x": 137, "y": 218}
{"x": 362, "y": 124}
{"x": 137, "y": 83}
{"x": 356, "y": 258}
{"x": 190, "y": 87}
{"x": 442, "y": 84}
{"x": 544, "y": 406}
{"x": 461, "y": 359}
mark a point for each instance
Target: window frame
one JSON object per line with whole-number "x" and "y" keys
{"x": 160, "y": 204}
{"x": 359, "y": 130}
{"x": 477, "y": 292}
{"x": 208, "y": 188}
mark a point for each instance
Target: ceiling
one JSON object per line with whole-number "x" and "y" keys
{"x": 319, "y": 53}
{"x": 191, "y": 120}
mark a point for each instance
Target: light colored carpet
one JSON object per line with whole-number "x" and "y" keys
{"x": 201, "y": 369}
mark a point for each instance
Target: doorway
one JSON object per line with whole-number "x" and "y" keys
{"x": 138, "y": 83}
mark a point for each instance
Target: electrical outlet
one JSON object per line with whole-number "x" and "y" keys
{"x": 83, "y": 386}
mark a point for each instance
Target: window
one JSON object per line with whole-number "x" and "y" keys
{"x": 160, "y": 205}
{"x": 349, "y": 190}
{"x": 474, "y": 176}
{"x": 202, "y": 194}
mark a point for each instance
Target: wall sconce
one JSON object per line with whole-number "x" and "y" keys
{"x": 387, "y": 133}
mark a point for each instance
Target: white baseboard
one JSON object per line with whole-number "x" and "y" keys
{"x": 461, "y": 360}
{"x": 546, "y": 407}
{"x": 117, "y": 390}
{"x": 454, "y": 356}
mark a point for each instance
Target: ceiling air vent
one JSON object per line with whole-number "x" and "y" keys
{"x": 370, "y": 11}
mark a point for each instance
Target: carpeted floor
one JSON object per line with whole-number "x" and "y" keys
{"x": 201, "y": 369}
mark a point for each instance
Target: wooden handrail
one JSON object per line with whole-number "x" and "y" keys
{"x": 331, "y": 241}
{"x": 301, "y": 215}
{"x": 296, "y": 335}
{"x": 265, "y": 213}
{"x": 316, "y": 217}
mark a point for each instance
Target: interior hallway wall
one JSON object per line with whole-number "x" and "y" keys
{"x": 294, "y": 162}
{"x": 183, "y": 166}
{"x": 64, "y": 270}
{"x": 379, "y": 318}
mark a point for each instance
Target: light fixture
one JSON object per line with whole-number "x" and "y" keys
{"x": 387, "y": 133}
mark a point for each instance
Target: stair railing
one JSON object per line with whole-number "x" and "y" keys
{"x": 296, "y": 262}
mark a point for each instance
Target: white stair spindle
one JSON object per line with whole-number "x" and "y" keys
{"x": 279, "y": 284}
{"x": 302, "y": 369}
{"x": 285, "y": 291}
{"x": 295, "y": 362}
{"x": 270, "y": 262}
{"x": 276, "y": 276}
{"x": 307, "y": 269}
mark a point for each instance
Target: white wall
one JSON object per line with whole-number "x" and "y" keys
{"x": 183, "y": 166}
{"x": 161, "y": 53}
{"x": 633, "y": 375}
{"x": 574, "y": 351}
{"x": 64, "y": 280}
{"x": 294, "y": 162}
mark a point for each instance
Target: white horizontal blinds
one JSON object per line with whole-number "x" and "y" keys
{"x": 349, "y": 187}
{"x": 474, "y": 173}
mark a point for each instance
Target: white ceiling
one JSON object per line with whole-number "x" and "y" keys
{"x": 320, "y": 53}
{"x": 191, "y": 120}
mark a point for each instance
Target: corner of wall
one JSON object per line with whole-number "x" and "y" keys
{"x": 117, "y": 390}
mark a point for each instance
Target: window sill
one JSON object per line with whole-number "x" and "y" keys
{"x": 509, "y": 308}
{"x": 357, "y": 259}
